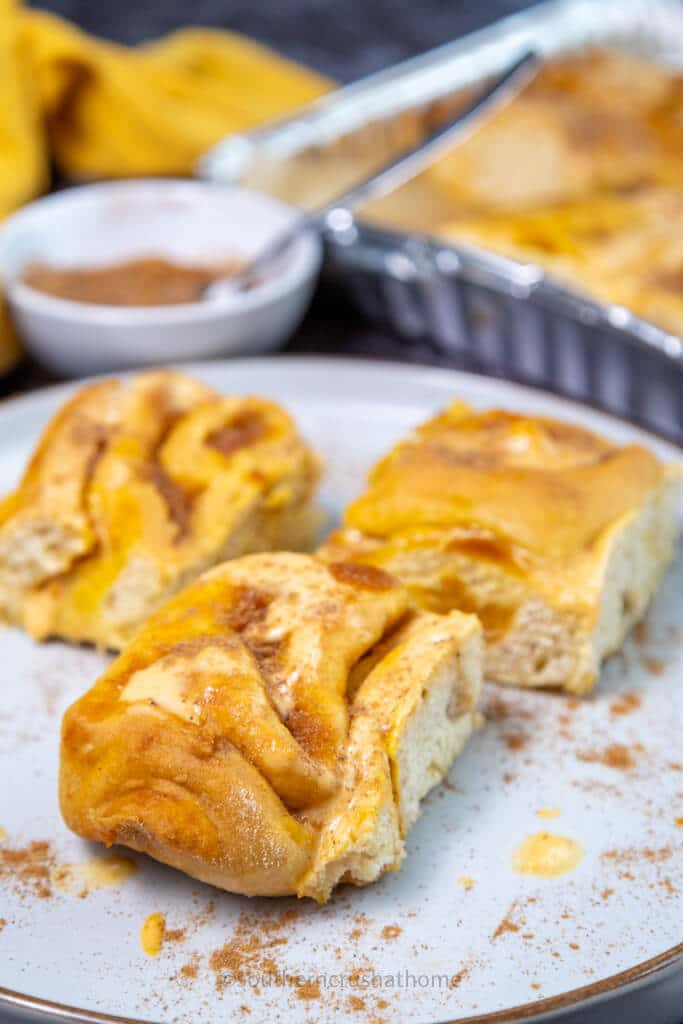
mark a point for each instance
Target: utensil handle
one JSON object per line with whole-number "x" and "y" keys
{"x": 402, "y": 168}
{"x": 412, "y": 161}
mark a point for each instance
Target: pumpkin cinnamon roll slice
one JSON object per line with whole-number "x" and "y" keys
{"x": 273, "y": 729}
{"x": 556, "y": 538}
{"x": 138, "y": 487}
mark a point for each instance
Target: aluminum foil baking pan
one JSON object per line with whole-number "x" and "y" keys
{"x": 506, "y": 317}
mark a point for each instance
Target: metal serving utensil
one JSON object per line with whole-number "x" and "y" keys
{"x": 400, "y": 169}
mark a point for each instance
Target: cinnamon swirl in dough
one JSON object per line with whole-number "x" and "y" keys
{"x": 556, "y": 538}
{"x": 274, "y": 727}
{"x": 137, "y": 487}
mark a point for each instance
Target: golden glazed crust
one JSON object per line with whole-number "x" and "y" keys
{"x": 518, "y": 519}
{"x": 252, "y": 734}
{"x": 135, "y": 489}
{"x": 539, "y": 484}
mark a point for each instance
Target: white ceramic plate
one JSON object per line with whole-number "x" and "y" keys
{"x": 430, "y": 945}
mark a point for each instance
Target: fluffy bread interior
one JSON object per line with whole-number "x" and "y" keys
{"x": 551, "y": 646}
{"x": 396, "y": 757}
{"x": 640, "y": 553}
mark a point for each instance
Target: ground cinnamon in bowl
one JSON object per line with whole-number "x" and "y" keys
{"x": 146, "y": 281}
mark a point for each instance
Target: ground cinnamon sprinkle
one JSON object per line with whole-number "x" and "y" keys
{"x": 356, "y": 1003}
{"x": 250, "y": 951}
{"x": 356, "y": 975}
{"x": 188, "y": 972}
{"x": 634, "y": 855}
{"x": 308, "y": 990}
{"x": 515, "y": 740}
{"x": 362, "y": 923}
{"x": 287, "y": 917}
{"x": 204, "y": 916}
{"x": 3, "y": 923}
{"x": 655, "y": 666}
{"x": 29, "y": 869}
{"x": 174, "y": 934}
{"x": 564, "y": 731}
{"x": 391, "y": 931}
{"x": 233, "y": 961}
{"x": 626, "y": 704}
{"x": 458, "y": 978}
{"x": 508, "y": 924}
{"x": 496, "y": 708}
{"x": 641, "y": 632}
{"x": 504, "y": 926}
{"x": 616, "y": 755}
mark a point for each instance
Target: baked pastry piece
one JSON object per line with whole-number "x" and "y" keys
{"x": 554, "y": 537}
{"x": 134, "y": 489}
{"x": 274, "y": 727}
{"x": 590, "y": 123}
{"x": 616, "y": 248}
{"x": 582, "y": 174}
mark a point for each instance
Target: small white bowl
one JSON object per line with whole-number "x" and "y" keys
{"x": 190, "y": 222}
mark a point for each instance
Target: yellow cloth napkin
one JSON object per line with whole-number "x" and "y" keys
{"x": 99, "y": 110}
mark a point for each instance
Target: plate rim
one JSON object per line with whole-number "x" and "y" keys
{"x": 578, "y": 999}
{"x": 400, "y": 367}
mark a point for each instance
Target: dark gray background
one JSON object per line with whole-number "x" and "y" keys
{"x": 342, "y": 38}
